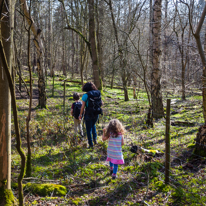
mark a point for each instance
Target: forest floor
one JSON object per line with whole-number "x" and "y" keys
{"x": 59, "y": 157}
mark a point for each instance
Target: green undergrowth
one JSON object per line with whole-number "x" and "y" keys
{"x": 6, "y": 197}
{"x": 63, "y": 158}
{"x": 46, "y": 189}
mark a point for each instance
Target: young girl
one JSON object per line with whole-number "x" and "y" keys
{"x": 114, "y": 132}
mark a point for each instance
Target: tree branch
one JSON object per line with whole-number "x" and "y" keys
{"x": 75, "y": 30}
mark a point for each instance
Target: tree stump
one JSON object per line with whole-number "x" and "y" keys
{"x": 200, "y": 147}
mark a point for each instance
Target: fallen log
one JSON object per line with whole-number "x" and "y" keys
{"x": 182, "y": 123}
{"x": 138, "y": 149}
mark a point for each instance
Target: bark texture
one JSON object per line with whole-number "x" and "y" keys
{"x": 5, "y": 103}
{"x": 200, "y": 147}
{"x": 156, "y": 96}
{"x": 7, "y": 82}
{"x": 92, "y": 41}
{"x": 39, "y": 48}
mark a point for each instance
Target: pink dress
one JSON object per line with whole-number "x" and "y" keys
{"x": 114, "y": 150}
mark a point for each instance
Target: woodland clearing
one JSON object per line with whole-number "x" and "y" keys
{"x": 60, "y": 158}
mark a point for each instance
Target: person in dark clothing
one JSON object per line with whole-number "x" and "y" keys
{"x": 75, "y": 111}
{"x": 91, "y": 100}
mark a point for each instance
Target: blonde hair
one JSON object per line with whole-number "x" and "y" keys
{"x": 114, "y": 127}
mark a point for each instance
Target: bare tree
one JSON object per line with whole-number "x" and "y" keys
{"x": 5, "y": 105}
{"x": 91, "y": 43}
{"x": 28, "y": 163}
{"x": 50, "y": 39}
{"x": 39, "y": 47}
{"x": 92, "y": 40}
{"x": 181, "y": 44}
{"x": 100, "y": 34}
{"x": 201, "y": 138}
{"x": 122, "y": 52}
{"x": 156, "y": 96}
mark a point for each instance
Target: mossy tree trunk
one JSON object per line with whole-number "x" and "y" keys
{"x": 6, "y": 53}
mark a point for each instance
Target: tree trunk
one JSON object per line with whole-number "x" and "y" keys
{"x": 156, "y": 96}
{"x": 92, "y": 40}
{"x": 91, "y": 43}
{"x": 201, "y": 138}
{"x": 83, "y": 47}
{"x": 86, "y": 67}
{"x": 28, "y": 163}
{"x": 182, "y": 50}
{"x": 203, "y": 59}
{"x": 164, "y": 63}
{"x": 34, "y": 61}
{"x": 83, "y": 57}
{"x": 77, "y": 55}
{"x": 150, "y": 35}
{"x": 121, "y": 57}
{"x": 200, "y": 147}
{"x": 5, "y": 106}
{"x": 183, "y": 79}
{"x": 18, "y": 63}
{"x": 134, "y": 87}
{"x": 72, "y": 42}
{"x": 39, "y": 47}
{"x": 124, "y": 81}
{"x": 112, "y": 79}
{"x": 100, "y": 25}
{"x": 113, "y": 67}
{"x": 50, "y": 40}
{"x": 6, "y": 30}
{"x": 63, "y": 45}
{"x": 73, "y": 53}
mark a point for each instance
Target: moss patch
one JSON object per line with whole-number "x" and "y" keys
{"x": 6, "y": 197}
{"x": 46, "y": 189}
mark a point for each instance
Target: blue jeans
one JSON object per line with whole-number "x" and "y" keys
{"x": 91, "y": 130}
{"x": 115, "y": 167}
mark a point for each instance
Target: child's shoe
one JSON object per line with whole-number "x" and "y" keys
{"x": 114, "y": 176}
{"x": 111, "y": 170}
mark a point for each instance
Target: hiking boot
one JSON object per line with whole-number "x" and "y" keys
{"x": 90, "y": 147}
{"x": 114, "y": 176}
{"x": 95, "y": 141}
{"x": 111, "y": 170}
